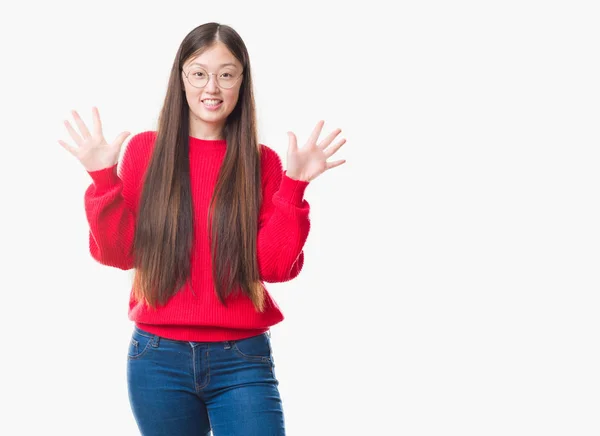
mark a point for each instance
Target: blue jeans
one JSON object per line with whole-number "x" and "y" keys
{"x": 180, "y": 388}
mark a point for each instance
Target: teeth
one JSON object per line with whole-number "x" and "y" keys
{"x": 212, "y": 102}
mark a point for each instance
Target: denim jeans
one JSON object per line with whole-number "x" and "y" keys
{"x": 180, "y": 388}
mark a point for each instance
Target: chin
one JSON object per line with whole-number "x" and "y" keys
{"x": 212, "y": 119}
{"x": 209, "y": 117}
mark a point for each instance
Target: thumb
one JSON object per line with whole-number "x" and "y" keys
{"x": 121, "y": 139}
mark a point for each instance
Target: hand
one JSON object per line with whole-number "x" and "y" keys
{"x": 310, "y": 161}
{"x": 92, "y": 149}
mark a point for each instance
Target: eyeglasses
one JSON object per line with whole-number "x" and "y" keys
{"x": 199, "y": 77}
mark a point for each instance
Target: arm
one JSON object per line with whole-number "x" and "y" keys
{"x": 283, "y": 223}
{"x": 110, "y": 216}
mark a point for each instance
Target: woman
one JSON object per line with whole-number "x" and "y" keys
{"x": 204, "y": 214}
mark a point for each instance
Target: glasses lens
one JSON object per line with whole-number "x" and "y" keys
{"x": 227, "y": 79}
{"x": 198, "y": 77}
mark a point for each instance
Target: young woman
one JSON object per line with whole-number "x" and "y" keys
{"x": 204, "y": 214}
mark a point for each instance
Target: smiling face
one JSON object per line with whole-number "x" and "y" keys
{"x": 211, "y": 101}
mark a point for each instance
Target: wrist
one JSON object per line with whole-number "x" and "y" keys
{"x": 296, "y": 177}
{"x": 292, "y": 190}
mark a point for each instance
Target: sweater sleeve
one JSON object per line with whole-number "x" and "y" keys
{"x": 111, "y": 219}
{"x": 283, "y": 223}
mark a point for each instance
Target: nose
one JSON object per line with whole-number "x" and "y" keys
{"x": 211, "y": 86}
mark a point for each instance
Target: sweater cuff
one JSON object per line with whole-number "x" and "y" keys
{"x": 105, "y": 178}
{"x": 292, "y": 190}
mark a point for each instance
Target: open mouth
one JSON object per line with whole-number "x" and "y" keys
{"x": 212, "y": 103}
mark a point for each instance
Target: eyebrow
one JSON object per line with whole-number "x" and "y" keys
{"x": 228, "y": 64}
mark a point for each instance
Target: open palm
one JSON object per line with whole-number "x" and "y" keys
{"x": 310, "y": 161}
{"x": 92, "y": 149}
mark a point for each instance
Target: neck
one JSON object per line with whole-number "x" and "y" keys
{"x": 206, "y": 131}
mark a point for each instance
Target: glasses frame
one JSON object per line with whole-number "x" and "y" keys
{"x": 208, "y": 81}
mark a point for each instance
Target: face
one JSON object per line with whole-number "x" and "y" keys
{"x": 211, "y": 104}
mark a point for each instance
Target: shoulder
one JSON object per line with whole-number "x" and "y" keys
{"x": 141, "y": 140}
{"x": 139, "y": 146}
{"x": 270, "y": 160}
{"x": 137, "y": 153}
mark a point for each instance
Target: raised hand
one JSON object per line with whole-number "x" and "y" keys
{"x": 92, "y": 149}
{"x": 310, "y": 161}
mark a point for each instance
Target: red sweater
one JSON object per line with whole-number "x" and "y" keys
{"x": 111, "y": 205}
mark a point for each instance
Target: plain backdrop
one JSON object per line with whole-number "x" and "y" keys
{"x": 451, "y": 278}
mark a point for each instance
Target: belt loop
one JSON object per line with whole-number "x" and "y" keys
{"x": 227, "y": 345}
{"x": 268, "y": 333}
{"x": 155, "y": 341}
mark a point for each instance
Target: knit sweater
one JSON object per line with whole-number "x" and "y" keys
{"x": 196, "y": 314}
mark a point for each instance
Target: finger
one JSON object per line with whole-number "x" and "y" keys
{"x": 85, "y": 133}
{"x": 325, "y": 142}
{"x": 334, "y": 148}
{"x": 293, "y": 142}
{"x": 316, "y": 132}
{"x": 97, "y": 121}
{"x": 73, "y": 133}
{"x": 334, "y": 164}
{"x": 67, "y": 147}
